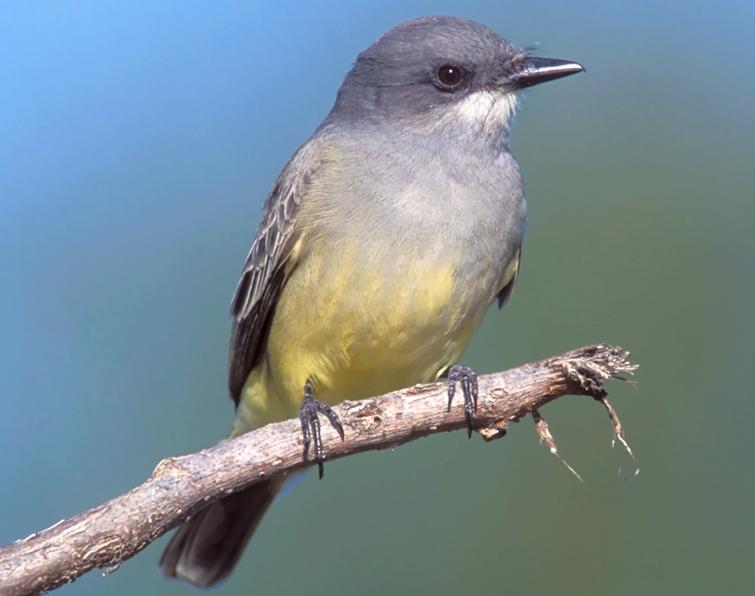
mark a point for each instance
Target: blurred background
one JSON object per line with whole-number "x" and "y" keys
{"x": 137, "y": 142}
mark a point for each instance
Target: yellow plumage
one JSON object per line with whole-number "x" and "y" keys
{"x": 361, "y": 333}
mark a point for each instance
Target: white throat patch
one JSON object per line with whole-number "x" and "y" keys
{"x": 487, "y": 110}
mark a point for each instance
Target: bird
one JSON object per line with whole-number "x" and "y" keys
{"x": 382, "y": 244}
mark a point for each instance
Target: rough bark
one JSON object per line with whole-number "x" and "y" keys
{"x": 109, "y": 534}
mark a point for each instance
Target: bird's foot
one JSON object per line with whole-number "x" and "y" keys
{"x": 468, "y": 380}
{"x": 310, "y": 425}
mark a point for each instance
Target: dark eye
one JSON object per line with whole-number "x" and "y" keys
{"x": 450, "y": 77}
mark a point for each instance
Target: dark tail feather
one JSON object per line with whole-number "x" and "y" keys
{"x": 205, "y": 548}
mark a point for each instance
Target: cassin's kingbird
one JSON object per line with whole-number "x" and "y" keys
{"x": 382, "y": 244}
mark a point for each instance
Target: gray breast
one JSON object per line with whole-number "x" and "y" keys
{"x": 414, "y": 197}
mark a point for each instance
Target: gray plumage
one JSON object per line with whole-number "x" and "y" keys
{"x": 410, "y": 171}
{"x": 389, "y": 113}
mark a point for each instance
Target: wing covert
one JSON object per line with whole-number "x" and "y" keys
{"x": 505, "y": 292}
{"x": 264, "y": 272}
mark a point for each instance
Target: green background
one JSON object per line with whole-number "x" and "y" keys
{"x": 137, "y": 142}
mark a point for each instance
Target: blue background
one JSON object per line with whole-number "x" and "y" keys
{"x": 137, "y": 142}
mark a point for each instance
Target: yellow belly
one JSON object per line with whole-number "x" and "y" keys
{"x": 356, "y": 333}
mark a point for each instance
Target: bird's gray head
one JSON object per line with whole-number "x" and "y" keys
{"x": 428, "y": 72}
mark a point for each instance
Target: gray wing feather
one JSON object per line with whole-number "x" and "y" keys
{"x": 264, "y": 273}
{"x": 505, "y": 292}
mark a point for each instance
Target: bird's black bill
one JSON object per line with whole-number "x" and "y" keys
{"x": 533, "y": 71}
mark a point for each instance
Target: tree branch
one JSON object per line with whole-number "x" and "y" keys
{"x": 181, "y": 486}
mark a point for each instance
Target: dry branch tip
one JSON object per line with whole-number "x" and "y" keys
{"x": 618, "y": 432}
{"x": 545, "y": 436}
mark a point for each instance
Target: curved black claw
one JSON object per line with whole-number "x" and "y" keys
{"x": 310, "y": 425}
{"x": 468, "y": 380}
